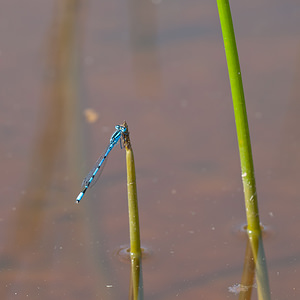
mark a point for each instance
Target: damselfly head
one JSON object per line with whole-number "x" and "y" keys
{"x": 121, "y": 128}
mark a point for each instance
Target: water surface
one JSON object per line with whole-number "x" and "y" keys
{"x": 160, "y": 66}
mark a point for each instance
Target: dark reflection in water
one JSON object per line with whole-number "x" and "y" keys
{"x": 159, "y": 65}
{"x": 41, "y": 222}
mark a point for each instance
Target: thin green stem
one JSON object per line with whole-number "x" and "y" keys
{"x": 243, "y": 135}
{"x": 134, "y": 227}
{"x": 240, "y": 116}
{"x": 135, "y": 244}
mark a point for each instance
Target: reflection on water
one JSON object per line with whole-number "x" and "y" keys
{"x": 34, "y": 244}
{"x": 136, "y": 289}
{"x": 174, "y": 93}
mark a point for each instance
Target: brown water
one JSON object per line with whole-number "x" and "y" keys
{"x": 161, "y": 67}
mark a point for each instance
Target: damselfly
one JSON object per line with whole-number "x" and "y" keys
{"x": 98, "y": 167}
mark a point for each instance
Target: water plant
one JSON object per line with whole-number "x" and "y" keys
{"x": 244, "y": 144}
{"x": 134, "y": 227}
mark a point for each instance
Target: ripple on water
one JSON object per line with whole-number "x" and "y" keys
{"x": 123, "y": 253}
{"x": 241, "y": 231}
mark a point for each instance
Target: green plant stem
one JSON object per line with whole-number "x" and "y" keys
{"x": 248, "y": 178}
{"x": 240, "y": 116}
{"x": 135, "y": 244}
{"x": 134, "y": 227}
